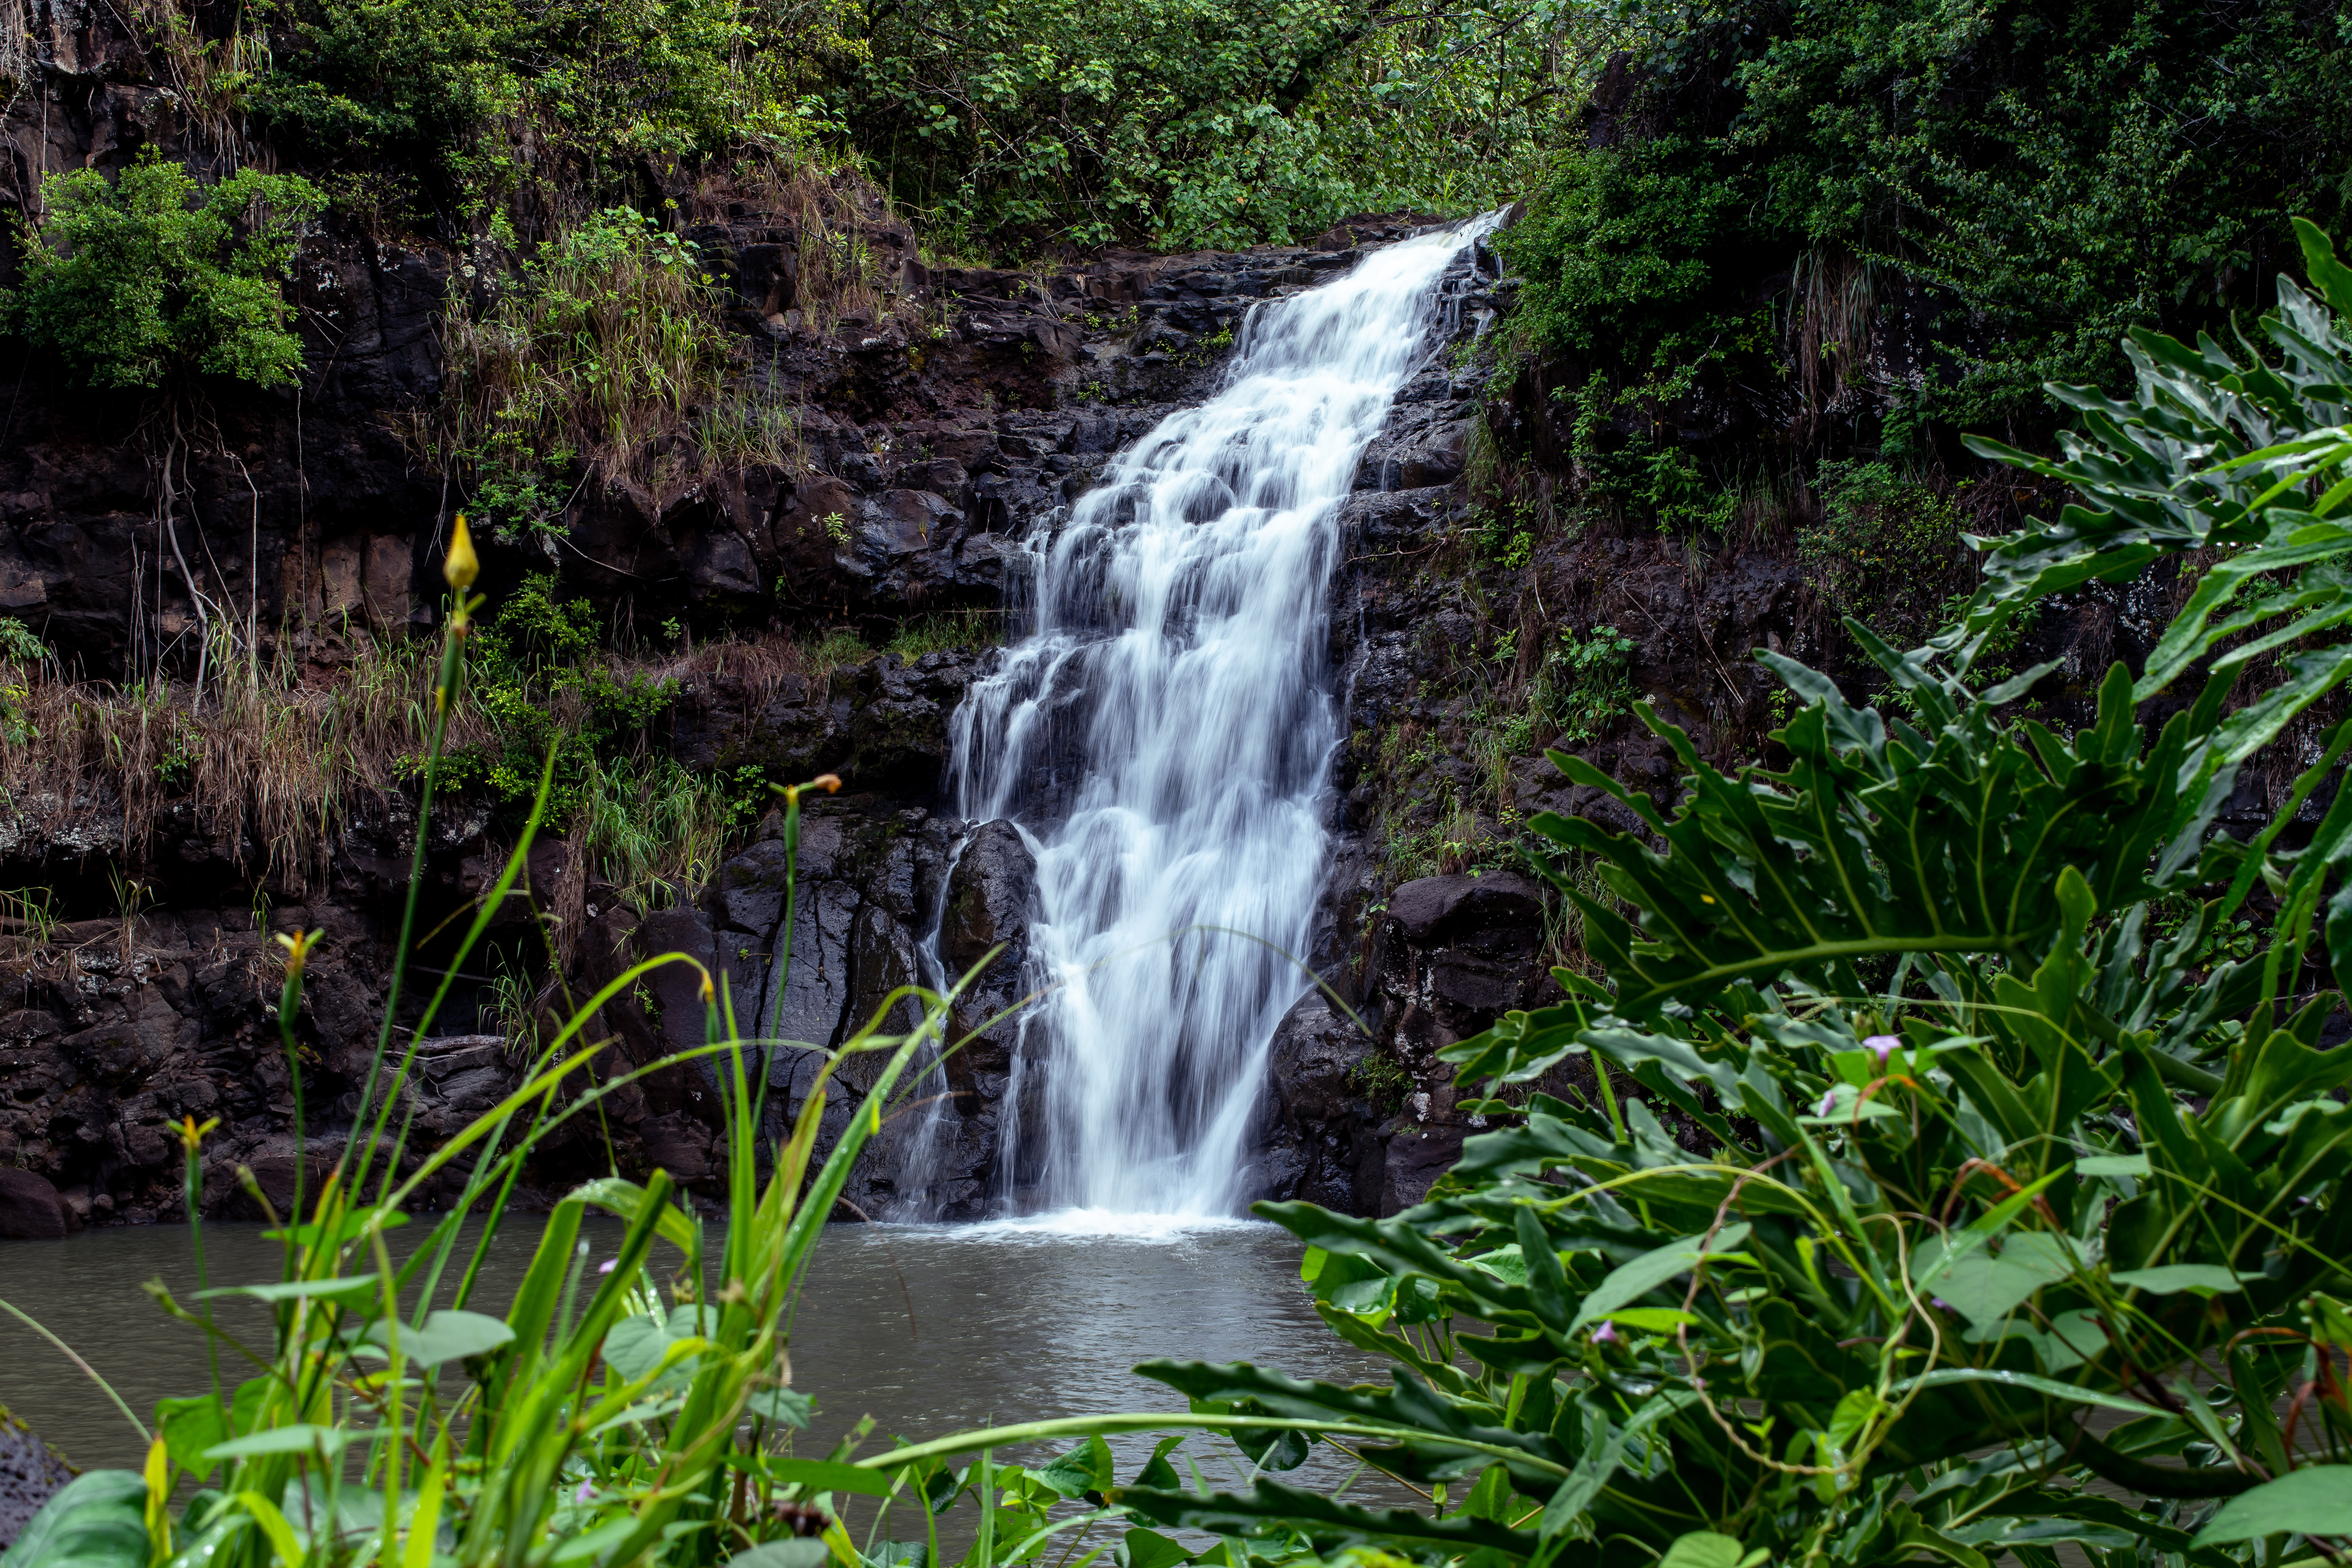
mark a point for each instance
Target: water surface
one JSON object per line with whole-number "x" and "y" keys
{"x": 929, "y": 1329}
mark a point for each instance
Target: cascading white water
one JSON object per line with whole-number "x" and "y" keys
{"x": 1172, "y": 695}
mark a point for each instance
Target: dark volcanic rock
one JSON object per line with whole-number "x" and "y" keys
{"x": 1450, "y": 955}
{"x": 31, "y": 1472}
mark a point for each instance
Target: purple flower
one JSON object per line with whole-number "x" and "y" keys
{"x": 583, "y": 1494}
{"x": 1941, "y": 1303}
{"x": 1606, "y": 1334}
{"x": 606, "y": 1267}
{"x": 1884, "y": 1046}
{"x": 1829, "y": 1101}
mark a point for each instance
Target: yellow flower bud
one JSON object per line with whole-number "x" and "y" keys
{"x": 461, "y": 566}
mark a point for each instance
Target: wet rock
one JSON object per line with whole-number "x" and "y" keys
{"x": 1318, "y": 1139}
{"x": 30, "y": 1208}
{"x": 815, "y": 987}
{"x": 1363, "y": 1119}
{"x": 459, "y": 1077}
{"x": 1442, "y": 910}
{"x": 988, "y": 899}
{"x": 720, "y": 564}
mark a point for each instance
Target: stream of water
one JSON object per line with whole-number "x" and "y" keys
{"x": 1162, "y": 738}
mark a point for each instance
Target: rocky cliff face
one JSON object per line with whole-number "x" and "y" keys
{"x": 933, "y": 433}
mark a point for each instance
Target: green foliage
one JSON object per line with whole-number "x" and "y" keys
{"x": 940, "y": 634}
{"x": 545, "y": 694}
{"x": 2211, "y": 454}
{"x": 2044, "y": 174}
{"x": 1882, "y": 546}
{"x": 1382, "y": 1080}
{"x": 1584, "y": 686}
{"x": 408, "y": 87}
{"x": 1200, "y": 121}
{"x": 1506, "y": 534}
{"x": 153, "y": 278}
{"x": 1617, "y": 246}
{"x": 837, "y": 648}
{"x": 657, "y": 830}
{"x": 18, "y": 644}
{"x": 602, "y": 342}
{"x": 1631, "y": 460}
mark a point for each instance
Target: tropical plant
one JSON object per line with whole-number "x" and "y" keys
{"x": 602, "y": 342}
{"x": 1989, "y": 1197}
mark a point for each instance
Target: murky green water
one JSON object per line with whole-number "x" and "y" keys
{"x": 931, "y": 1329}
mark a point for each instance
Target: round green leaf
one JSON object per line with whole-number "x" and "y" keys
{"x": 1702, "y": 1549}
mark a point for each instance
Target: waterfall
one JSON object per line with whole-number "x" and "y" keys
{"x": 1161, "y": 737}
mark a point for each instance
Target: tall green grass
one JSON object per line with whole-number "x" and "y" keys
{"x": 642, "y": 1412}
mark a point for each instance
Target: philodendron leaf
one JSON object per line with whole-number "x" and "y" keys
{"x": 786, "y": 1406}
{"x": 445, "y": 1337}
{"x": 636, "y": 1344}
{"x": 2313, "y": 1500}
{"x": 1085, "y": 1468}
{"x": 1982, "y": 1287}
{"x": 1149, "y": 1549}
{"x": 190, "y": 1427}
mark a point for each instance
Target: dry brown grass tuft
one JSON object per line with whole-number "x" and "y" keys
{"x": 273, "y": 760}
{"x": 15, "y": 55}
{"x": 840, "y": 272}
{"x": 602, "y": 350}
{"x": 276, "y": 762}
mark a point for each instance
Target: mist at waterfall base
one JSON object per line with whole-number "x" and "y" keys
{"x": 1163, "y": 739}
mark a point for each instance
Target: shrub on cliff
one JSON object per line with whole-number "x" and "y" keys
{"x": 153, "y": 278}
